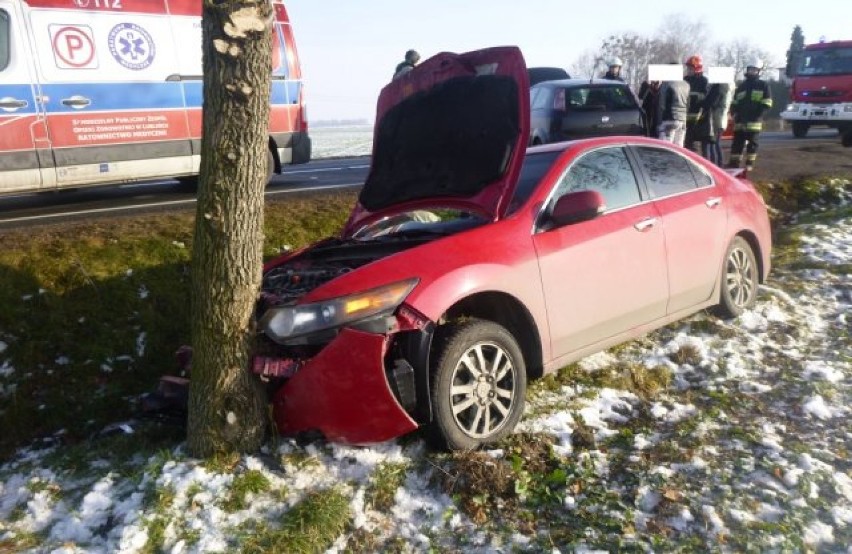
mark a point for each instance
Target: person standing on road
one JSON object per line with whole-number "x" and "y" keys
{"x": 751, "y": 100}
{"x": 673, "y": 105}
{"x": 649, "y": 97}
{"x": 613, "y": 72}
{"x": 698, "y": 88}
{"x": 718, "y": 121}
{"x": 412, "y": 58}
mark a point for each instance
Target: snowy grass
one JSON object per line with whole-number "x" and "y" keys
{"x": 707, "y": 435}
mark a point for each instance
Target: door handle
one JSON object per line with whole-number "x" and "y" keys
{"x": 645, "y": 224}
{"x": 9, "y": 104}
{"x": 77, "y": 102}
{"x": 713, "y": 202}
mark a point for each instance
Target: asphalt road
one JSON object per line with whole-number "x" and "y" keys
{"x": 324, "y": 174}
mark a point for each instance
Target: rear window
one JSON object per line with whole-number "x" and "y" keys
{"x": 4, "y": 40}
{"x": 666, "y": 172}
{"x": 599, "y": 98}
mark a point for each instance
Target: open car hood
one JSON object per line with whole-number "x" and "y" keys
{"x": 451, "y": 132}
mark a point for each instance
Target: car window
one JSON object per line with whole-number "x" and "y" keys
{"x": 702, "y": 178}
{"x": 534, "y": 168}
{"x": 609, "y": 98}
{"x": 539, "y": 97}
{"x": 4, "y": 40}
{"x": 607, "y": 171}
{"x": 667, "y": 172}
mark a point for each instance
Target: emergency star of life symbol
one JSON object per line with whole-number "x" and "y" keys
{"x": 132, "y": 46}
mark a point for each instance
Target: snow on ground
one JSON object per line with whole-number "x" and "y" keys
{"x": 748, "y": 447}
{"x": 345, "y": 141}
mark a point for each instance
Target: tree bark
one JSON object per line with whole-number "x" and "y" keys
{"x": 227, "y": 406}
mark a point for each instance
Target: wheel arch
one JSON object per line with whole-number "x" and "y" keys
{"x": 752, "y": 241}
{"x": 506, "y": 310}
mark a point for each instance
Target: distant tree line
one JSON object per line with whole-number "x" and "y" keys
{"x": 677, "y": 38}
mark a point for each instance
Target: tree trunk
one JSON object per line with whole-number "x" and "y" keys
{"x": 227, "y": 407}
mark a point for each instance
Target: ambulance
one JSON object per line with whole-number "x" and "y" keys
{"x": 110, "y": 91}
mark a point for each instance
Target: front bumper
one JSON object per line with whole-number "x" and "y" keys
{"x": 819, "y": 113}
{"x": 343, "y": 392}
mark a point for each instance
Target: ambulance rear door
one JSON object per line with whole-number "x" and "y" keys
{"x": 24, "y": 147}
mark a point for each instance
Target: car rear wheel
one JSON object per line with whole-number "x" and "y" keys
{"x": 739, "y": 280}
{"x": 479, "y": 381}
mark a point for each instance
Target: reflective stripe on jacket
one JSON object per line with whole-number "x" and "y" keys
{"x": 751, "y": 100}
{"x": 698, "y": 88}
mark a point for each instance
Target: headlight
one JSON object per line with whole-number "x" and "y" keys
{"x": 792, "y": 108}
{"x": 288, "y": 322}
{"x": 847, "y": 108}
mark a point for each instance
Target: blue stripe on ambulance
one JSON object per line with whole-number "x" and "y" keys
{"x": 18, "y": 92}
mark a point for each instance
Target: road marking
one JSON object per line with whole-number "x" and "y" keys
{"x": 163, "y": 204}
{"x": 291, "y": 171}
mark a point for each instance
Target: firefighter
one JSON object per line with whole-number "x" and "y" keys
{"x": 412, "y": 58}
{"x": 699, "y": 86}
{"x": 751, "y": 100}
{"x": 614, "y": 70}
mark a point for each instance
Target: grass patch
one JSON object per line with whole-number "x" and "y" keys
{"x": 312, "y": 525}
{"x": 93, "y": 313}
{"x": 250, "y": 482}
{"x": 384, "y": 483}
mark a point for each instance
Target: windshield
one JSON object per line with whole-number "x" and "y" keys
{"x": 420, "y": 223}
{"x": 833, "y": 61}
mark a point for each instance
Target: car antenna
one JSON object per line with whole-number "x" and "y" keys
{"x": 598, "y": 61}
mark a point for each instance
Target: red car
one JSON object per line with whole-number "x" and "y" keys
{"x": 471, "y": 264}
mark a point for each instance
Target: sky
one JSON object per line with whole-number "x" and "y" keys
{"x": 349, "y": 48}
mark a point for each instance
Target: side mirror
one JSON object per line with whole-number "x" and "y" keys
{"x": 577, "y": 206}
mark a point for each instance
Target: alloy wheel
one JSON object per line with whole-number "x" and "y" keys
{"x": 740, "y": 277}
{"x": 483, "y": 390}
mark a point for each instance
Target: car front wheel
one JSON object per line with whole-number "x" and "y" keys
{"x": 739, "y": 280}
{"x": 478, "y": 384}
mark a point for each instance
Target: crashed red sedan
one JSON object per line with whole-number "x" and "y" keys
{"x": 471, "y": 264}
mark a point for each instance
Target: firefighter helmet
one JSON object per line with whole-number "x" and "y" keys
{"x": 695, "y": 63}
{"x": 755, "y": 62}
{"x": 614, "y": 62}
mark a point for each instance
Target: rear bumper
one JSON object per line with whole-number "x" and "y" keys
{"x": 343, "y": 393}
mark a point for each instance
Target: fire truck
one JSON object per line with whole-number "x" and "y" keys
{"x": 821, "y": 93}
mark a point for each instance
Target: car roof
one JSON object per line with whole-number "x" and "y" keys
{"x": 579, "y": 83}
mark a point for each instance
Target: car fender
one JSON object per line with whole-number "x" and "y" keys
{"x": 521, "y": 282}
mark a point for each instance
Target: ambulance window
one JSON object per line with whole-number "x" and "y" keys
{"x": 280, "y": 61}
{"x": 4, "y": 40}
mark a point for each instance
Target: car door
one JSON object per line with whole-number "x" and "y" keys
{"x": 604, "y": 276}
{"x": 694, "y": 221}
{"x": 24, "y": 146}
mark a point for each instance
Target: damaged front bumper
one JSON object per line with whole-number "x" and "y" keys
{"x": 343, "y": 393}
{"x": 362, "y": 387}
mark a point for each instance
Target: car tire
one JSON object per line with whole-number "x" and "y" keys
{"x": 479, "y": 382}
{"x": 739, "y": 280}
{"x": 800, "y": 129}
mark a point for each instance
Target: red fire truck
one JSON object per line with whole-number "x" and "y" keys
{"x": 822, "y": 88}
